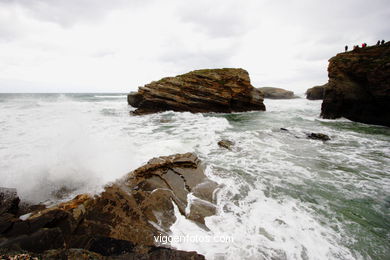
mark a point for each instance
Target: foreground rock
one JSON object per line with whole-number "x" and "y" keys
{"x": 214, "y": 90}
{"x": 359, "y": 86}
{"x": 277, "y": 93}
{"x": 127, "y": 215}
{"x": 316, "y": 93}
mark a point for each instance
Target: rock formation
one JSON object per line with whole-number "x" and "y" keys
{"x": 277, "y": 93}
{"x": 124, "y": 218}
{"x": 316, "y": 93}
{"x": 210, "y": 90}
{"x": 359, "y": 86}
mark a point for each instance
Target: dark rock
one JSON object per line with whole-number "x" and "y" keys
{"x": 316, "y": 93}
{"x": 359, "y": 86}
{"x": 226, "y": 144}
{"x": 134, "y": 99}
{"x": 213, "y": 90}
{"x": 39, "y": 241}
{"x": 318, "y": 136}
{"x": 284, "y": 129}
{"x": 277, "y": 93}
{"x": 9, "y": 201}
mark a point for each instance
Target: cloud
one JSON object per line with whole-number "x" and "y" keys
{"x": 115, "y": 46}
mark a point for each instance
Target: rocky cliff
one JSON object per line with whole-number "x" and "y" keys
{"x": 211, "y": 90}
{"x": 122, "y": 220}
{"x": 359, "y": 86}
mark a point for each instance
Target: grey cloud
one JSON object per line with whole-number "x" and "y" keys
{"x": 69, "y": 12}
{"x": 223, "y": 19}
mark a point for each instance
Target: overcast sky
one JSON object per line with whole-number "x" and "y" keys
{"x": 118, "y": 45}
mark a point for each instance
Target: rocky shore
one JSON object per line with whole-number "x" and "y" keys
{"x": 119, "y": 223}
{"x": 210, "y": 90}
{"x": 359, "y": 86}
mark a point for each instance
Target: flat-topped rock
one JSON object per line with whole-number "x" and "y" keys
{"x": 210, "y": 90}
{"x": 277, "y": 93}
{"x": 316, "y": 92}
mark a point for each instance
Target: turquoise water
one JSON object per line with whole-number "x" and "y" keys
{"x": 283, "y": 197}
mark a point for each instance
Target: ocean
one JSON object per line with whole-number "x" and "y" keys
{"x": 282, "y": 196}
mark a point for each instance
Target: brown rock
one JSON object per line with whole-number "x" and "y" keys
{"x": 277, "y": 93}
{"x": 316, "y": 93}
{"x": 213, "y": 90}
{"x": 125, "y": 216}
{"x": 359, "y": 86}
{"x": 226, "y": 144}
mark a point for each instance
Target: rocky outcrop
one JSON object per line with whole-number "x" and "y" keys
{"x": 277, "y": 93}
{"x": 316, "y": 93}
{"x": 359, "y": 86}
{"x": 227, "y": 144}
{"x": 318, "y": 136}
{"x": 125, "y": 217}
{"x": 210, "y": 90}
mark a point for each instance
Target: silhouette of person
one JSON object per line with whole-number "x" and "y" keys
{"x": 383, "y": 42}
{"x": 378, "y": 42}
{"x": 346, "y": 48}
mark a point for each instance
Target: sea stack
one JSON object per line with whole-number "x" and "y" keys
{"x": 359, "y": 86}
{"x": 209, "y": 90}
{"x": 316, "y": 92}
{"x": 277, "y": 93}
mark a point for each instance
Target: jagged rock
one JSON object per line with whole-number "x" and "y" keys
{"x": 316, "y": 93}
{"x": 359, "y": 86}
{"x": 318, "y": 136}
{"x": 9, "y": 201}
{"x": 277, "y": 93}
{"x": 126, "y": 215}
{"x": 226, "y": 144}
{"x": 210, "y": 90}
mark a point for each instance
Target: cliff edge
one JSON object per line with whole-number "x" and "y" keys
{"x": 359, "y": 86}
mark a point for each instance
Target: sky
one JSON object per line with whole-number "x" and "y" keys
{"x": 118, "y": 45}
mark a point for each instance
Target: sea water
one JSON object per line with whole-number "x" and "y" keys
{"x": 282, "y": 196}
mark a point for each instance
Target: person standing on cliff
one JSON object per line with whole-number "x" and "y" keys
{"x": 383, "y": 42}
{"x": 378, "y": 42}
{"x": 346, "y": 48}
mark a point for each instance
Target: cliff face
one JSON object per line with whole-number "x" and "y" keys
{"x": 359, "y": 86}
{"x": 214, "y": 90}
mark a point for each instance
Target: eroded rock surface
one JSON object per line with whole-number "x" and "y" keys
{"x": 359, "y": 86}
{"x": 210, "y": 90}
{"x": 127, "y": 214}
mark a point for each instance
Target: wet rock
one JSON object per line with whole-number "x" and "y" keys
{"x": 359, "y": 86}
{"x": 9, "y": 201}
{"x": 226, "y": 144}
{"x": 277, "y": 93}
{"x": 316, "y": 93}
{"x": 210, "y": 90}
{"x": 125, "y": 216}
{"x": 318, "y": 136}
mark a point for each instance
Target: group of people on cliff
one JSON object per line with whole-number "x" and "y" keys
{"x": 364, "y": 45}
